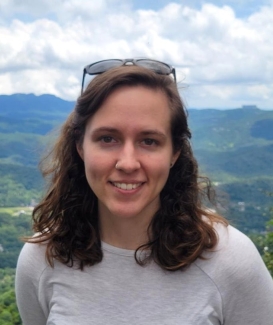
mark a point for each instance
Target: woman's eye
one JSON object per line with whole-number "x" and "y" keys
{"x": 149, "y": 142}
{"x": 106, "y": 139}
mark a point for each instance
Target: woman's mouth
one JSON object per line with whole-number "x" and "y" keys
{"x": 126, "y": 186}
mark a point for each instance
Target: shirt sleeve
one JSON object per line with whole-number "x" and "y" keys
{"x": 30, "y": 265}
{"x": 245, "y": 283}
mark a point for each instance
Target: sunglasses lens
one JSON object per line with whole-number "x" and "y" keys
{"x": 102, "y": 66}
{"x": 157, "y": 66}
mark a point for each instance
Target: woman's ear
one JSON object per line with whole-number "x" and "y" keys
{"x": 175, "y": 157}
{"x": 80, "y": 150}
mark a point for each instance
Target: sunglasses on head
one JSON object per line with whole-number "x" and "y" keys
{"x": 104, "y": 65}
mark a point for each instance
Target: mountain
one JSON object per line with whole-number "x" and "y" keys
{"x": 32, "y": 114}
{"x": 32, "y": 106}
{"x": 233, "y": 143}
{"x": 218, "y": 130}
{"x": 233, "y": 147}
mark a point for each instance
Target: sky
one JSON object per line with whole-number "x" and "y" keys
{"x": 222, "y": 50}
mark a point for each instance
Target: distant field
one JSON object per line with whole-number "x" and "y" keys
{"x": 16, "y": 211}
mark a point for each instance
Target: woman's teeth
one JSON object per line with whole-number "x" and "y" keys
{"x": 125, "y": 186}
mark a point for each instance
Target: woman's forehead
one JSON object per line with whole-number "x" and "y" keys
{"x": 137, "y": 106}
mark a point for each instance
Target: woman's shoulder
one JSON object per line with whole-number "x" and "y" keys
{"x": 232, "y": 245}
{"x": 33, "y": 251}
{"x": 233, "y": 242}
{"x": 232, "y": 257}
{"x": 240, "y": 276}
{"x": 32, "y": 260}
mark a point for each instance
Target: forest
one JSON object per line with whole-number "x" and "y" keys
{"x": 233, "y": 147}
{"x": 14, "y": 224}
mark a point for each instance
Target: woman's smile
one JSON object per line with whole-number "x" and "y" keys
{"x": 126, "y": 186}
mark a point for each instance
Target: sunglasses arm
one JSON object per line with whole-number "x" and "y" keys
{"x": 174, "y": 74}
{"x": 83, "y": 77}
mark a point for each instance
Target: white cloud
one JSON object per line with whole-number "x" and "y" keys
{"x": 45, "y": 45}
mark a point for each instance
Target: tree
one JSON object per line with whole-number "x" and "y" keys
{"x": 9, "y": 314}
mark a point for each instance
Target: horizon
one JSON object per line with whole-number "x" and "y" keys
{"x": 243, "y": 106}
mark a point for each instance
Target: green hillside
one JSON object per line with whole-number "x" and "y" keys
{"x": 226, "y": 130}
{"x": 233, "y": 143}
{"x": 235, "y": 149}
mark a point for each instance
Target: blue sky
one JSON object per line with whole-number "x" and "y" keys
{"x": 222, "y": 50}
{"x": 242, "y": 8}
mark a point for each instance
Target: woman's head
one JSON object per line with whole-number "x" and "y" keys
{"x": 128, "y": 107}
{"x": 69, "y": 212}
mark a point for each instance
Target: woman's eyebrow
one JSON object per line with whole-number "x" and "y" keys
{"x": 105, "y": 129}
{"x": 149, "y": 132}
{"x": 153, "y": 133}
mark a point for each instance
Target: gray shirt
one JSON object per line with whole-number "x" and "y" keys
{"x": 232, "y": 287}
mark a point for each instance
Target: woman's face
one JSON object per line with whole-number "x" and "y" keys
{"x": 127, "y": 152}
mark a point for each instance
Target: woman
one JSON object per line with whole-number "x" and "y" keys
{"x": 122, "y": 235}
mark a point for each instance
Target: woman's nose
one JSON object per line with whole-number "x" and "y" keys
{"x": 128, "y": 159}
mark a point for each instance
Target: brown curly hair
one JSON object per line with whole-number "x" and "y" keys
{"x": 67, "y": 217}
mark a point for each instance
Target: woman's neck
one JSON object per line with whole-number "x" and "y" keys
{"x": 127, "y": 234}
